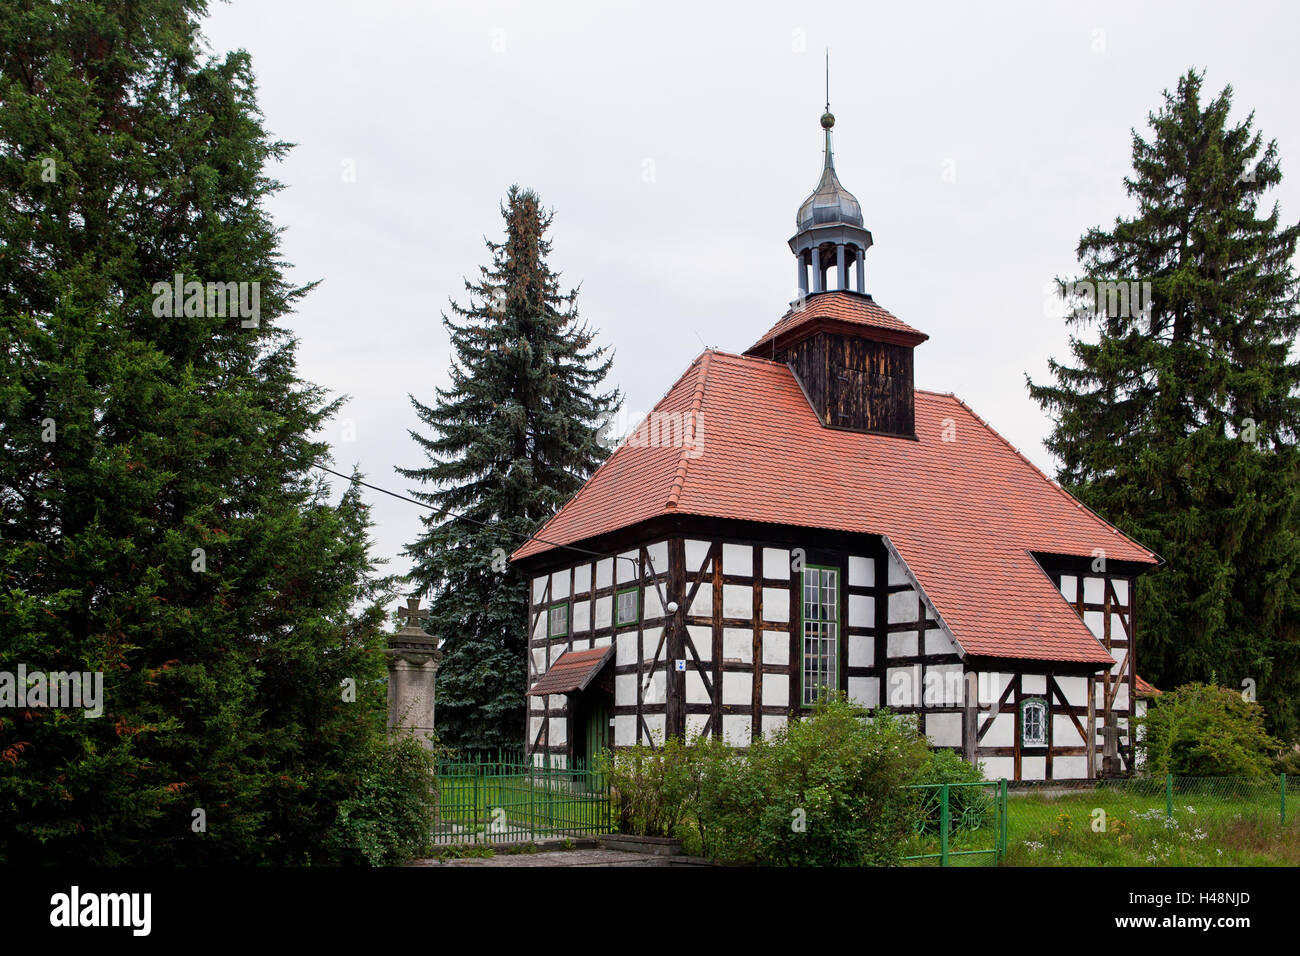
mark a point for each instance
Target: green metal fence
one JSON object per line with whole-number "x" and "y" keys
{"x": 1175, "y": 819}
{"x": 958, "y": 824}
{"x": 483, "y": 800}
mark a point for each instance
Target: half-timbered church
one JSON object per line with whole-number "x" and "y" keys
{"x": 799, "y": 517}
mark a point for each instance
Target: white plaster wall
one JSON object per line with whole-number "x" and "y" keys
{"x": 628, "y": 567}
{"x": 603, "y": 641}
{"x": 1096, "y": 621}
{"x": 604, "y": 611}
{"x": 1069, "y": 768}
{"x": 944, "y": 730}
{"x": 776, "y": 564}
{"x": 862, "y": 572}
{"x": 560, "y": 585}
{"x": 702, "y": 606}
{"x": 897, "y": 573}
{"x": 624, "y": 730}
{"x": 696, "y": 693}
{"x": 1075, "y": 690}
{"x": 939, "y": 641}
{"x": 696, "y": 552}
{"x": 862, "y": 650}
{"x": 944, "y": 685}
{"x": 653, "y": 608}
{"x": 581, "y": 616}
{"x": 776, "y": 690}
{"x": 695, "y": 724}
{"x": 625, "y": 649}
{"x": 862, "y": 610}
{"x": 1033, "y": 768}
{"x": 539, "y": 661}
{"x": 1002, "y": 733}
{"x": 582, "y": 643}
{"x": 1064, "y": 733}
{"x": 864, "y": 691}
{"x": 604, "y": 572}
{"x": 770, "y": 723}
{"x": 738, "y": 559}
{"x": 901, "y": 645}
{"x": 902, "y": 607}
{"x": 655, "y": 722}
{"x": 625, "y": 690}
{"x": 903, "y": 686}
{"x": 736, "y": 729}
{"x": 581, "y": 578}
{"x": 776, "y": 648}
{"x": 992, "y": 684}
{"x": 539, "y": 588}
{"x": 654, "y": 692}
{"x": 1069, "y": 587}
{"x": 995, "y": 768}
{"x": 737, "y": 689}
{"x": 737, "y": 645}
{"x": 658, "y": 555}
{"x": 776, "y": 605}
{"x": 539, "y": 626}
{"x": 1033, "y": 684}
{"x": 701, "y": 639}
{"x": 737, "y": 601}
{"x": 1121, "y": 590}
{"x": 559, "y": 732}
{"x": 1094, "y": 590}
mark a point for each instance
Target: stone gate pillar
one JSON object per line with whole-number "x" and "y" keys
{"x": 413, "y": 658}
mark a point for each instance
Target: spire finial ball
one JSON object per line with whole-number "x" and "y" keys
{"x": 828, "y": 119}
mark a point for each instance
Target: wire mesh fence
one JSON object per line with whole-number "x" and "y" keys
{"x": 1151, "y": 820}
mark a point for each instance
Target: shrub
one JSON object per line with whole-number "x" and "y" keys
{"x": 389, "y": 814}
{"x": 1203, "y": 730}
{"x": 822, "y": 791}
{"x": 969, "y": 808}
{"x": 651, "y": 787}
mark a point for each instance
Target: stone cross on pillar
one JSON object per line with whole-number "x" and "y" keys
{"x": 413, "y": 659}
{"x": 1110, "y": 733}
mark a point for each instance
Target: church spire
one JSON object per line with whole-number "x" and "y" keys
{"x": 830, "y": 224}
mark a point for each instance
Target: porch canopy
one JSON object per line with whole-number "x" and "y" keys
{"x": 573, "y": 671}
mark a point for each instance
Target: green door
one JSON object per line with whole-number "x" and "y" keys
{"x": 596, "y": 712}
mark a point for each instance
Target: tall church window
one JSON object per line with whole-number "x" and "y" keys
{"x": 821, "y": 632}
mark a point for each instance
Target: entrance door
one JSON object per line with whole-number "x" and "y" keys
{"x": 594, "y": 712}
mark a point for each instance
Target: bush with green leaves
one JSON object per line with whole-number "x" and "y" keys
{"x": 652, "y": 786}
{"x": 969, "y": 808}
{"x": 822, "y": 791}
{"x": 389, "y": 814}
{"x": 1199, "y": 730}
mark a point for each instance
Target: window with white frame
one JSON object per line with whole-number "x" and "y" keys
{"x": 1033, "y": 722}
{"x": 627, "y": 607}
{"x": 821, "y": 632}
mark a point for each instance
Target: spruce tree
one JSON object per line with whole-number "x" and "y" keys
{"x": 160, "y": 522}
{"x": 1177, "y": 419}
{"x": 512, "y": 439}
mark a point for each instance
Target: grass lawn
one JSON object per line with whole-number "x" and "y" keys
{"x": 1214, "y": 823}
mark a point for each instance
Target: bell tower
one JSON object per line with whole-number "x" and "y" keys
{"x": 832, "y": 241}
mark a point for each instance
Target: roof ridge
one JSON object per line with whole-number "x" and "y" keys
{"x": 688, "y": 433}
{"x": 1053, "y": 483}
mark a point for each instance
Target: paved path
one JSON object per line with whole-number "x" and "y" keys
{"x": 558, "y": 858}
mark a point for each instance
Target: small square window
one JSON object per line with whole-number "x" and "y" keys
{"x": 558, "y": 621}
{"x": 627, "y": 607}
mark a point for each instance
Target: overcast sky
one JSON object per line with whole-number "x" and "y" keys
{"x": 675, "y": 142}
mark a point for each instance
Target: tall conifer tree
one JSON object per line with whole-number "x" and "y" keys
{"x": 1178, "y": 420}
{"x": 159, "y": 521}
{"x": 512, "y": 439}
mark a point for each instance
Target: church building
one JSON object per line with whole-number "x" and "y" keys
{"x": 799, "y": 517}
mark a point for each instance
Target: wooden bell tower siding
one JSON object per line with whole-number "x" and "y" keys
{"x": 802, "y": 516}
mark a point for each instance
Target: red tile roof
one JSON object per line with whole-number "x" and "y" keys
{"x": 832, "y": 308}
{"x": 962, "y": 513}
{"x": 572, "y": 671}
{"x": 1145, "y": 688}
